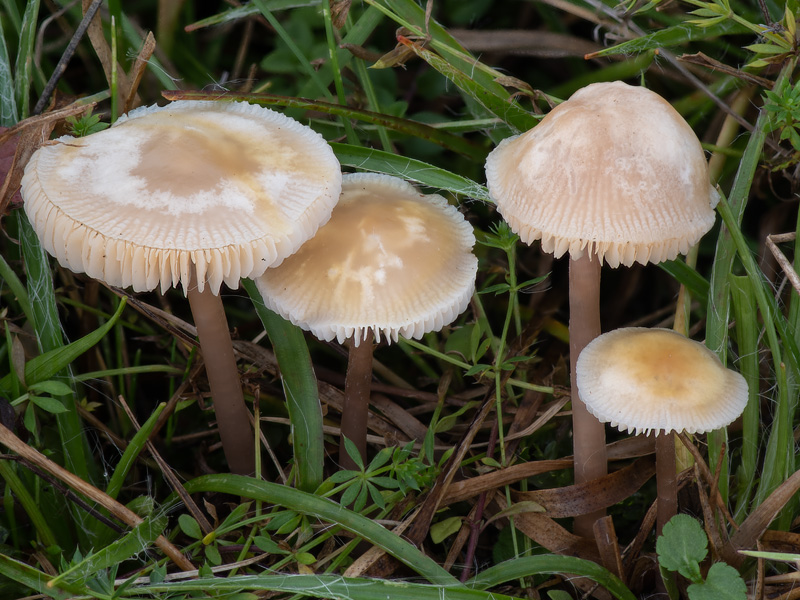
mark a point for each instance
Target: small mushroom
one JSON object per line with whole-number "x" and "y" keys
{"x": 193, "y": 193}
{"x": 391, "y": 262}
{"x": 656, "y": 380}
{"x": 614, "y": 173}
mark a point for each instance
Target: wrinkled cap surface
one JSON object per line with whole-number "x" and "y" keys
{"x": 391, "y": 261}
{"x": 225, "y": 188}
{"x": 614, "y": 171}
{"x": 644, "y": 380}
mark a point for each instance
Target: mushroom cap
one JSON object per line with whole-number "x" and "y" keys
{"x": 390, "y": 260}
{"x": 641, "y": 379}
{"x": 614, "y": 171}
{"x": 230, "y": 188}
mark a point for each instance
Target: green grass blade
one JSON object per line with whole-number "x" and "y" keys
{"x": 135, "y": 446}
{"x": 499, "y": 105}
{"x": 17, "y": 288}
{"x": 426, "y": 174}
{"x": 310, "y": 71}
{"x": 242, "y": 12}
{"x": 48, "y": 365}
{"x": 746, "y": 331}
{"x": 325, "y": 586}
{"x": 300, "y": 386}
{"x": 689, "y": 277}
{"x": 33, "y": 578}
{"x": 8, "y": 105}
{"x": 24, "y": 67}
{"x": 673, "y": 36}
{"x": 133, "y": 542}
{"x": 329, "y": 511}
{"x": 551, "y": 563}
{"x": 405, "y": 126}
{"x": 47, "y": 324}
{"x": 27, "y": 502}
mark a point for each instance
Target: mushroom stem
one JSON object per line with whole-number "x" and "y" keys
{"x": 666, "y": 480}
{"x": 588, "y": 434}
{"x": 355, "y": 410}
{"x": 233, "y": 418}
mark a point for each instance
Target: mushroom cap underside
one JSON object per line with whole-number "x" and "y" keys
{"x": 224, "y": 188}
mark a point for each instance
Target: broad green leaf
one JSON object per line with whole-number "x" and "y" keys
{"x": 682, "y": 546}
{"x": 189, "y": 526}
{"x": 722, "y": 583}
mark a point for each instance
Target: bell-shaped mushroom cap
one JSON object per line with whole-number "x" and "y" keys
{"x": 641, "y": 379}
{"x": 230, "y": 188}
{"x": 391, "y": 261}
{"x": 614, "y": 171}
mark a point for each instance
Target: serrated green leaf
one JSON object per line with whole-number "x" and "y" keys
{"x": 722, "y": 583}
{"x": 682, "y": 546}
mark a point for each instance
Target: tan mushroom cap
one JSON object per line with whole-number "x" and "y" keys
{"x": 391, "y": 261}
{"x": 614, "y": 171}
{"x": 643, "y": 380}
{"x": 230, "y": 188}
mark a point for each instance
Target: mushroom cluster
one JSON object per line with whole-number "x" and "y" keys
{"x": 193, "y": 193}
{"x": 613, "y": 174}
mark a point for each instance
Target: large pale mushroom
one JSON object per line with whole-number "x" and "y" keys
{"x": 193, "y": 193}
{"x": 613, "y": 174}
{"x": 390, "y": 262}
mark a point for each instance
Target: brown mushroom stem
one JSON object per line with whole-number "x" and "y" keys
{"x": 588, "y": 434}
{"x": 355, "y": 410}
{"x": 666, "y": 480}
{"x": 233, "y": 418}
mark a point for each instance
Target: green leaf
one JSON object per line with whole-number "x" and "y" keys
{"x": 550, "y": 563}
{"x": 682, "y": 546}
{"x": 378, "y": 161}
{"x": 267, "y": 545}
{"x": 52, "y": 387}
{"x": 44, "y": 366}
{"x": 723, "y": 583}
{"x": 48, "y": 404}
{"x": 673, "y": 36}
{"x": 189, "y": 526}
{"x": 300, "y": 387}
{"x": 443, "y": 529}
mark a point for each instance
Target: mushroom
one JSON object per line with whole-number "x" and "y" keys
{"x": 193, "y": 193}
{"x": 657, "y": 380}
{"x": 390, "y": 262}
{"x": 613, "y": 173}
